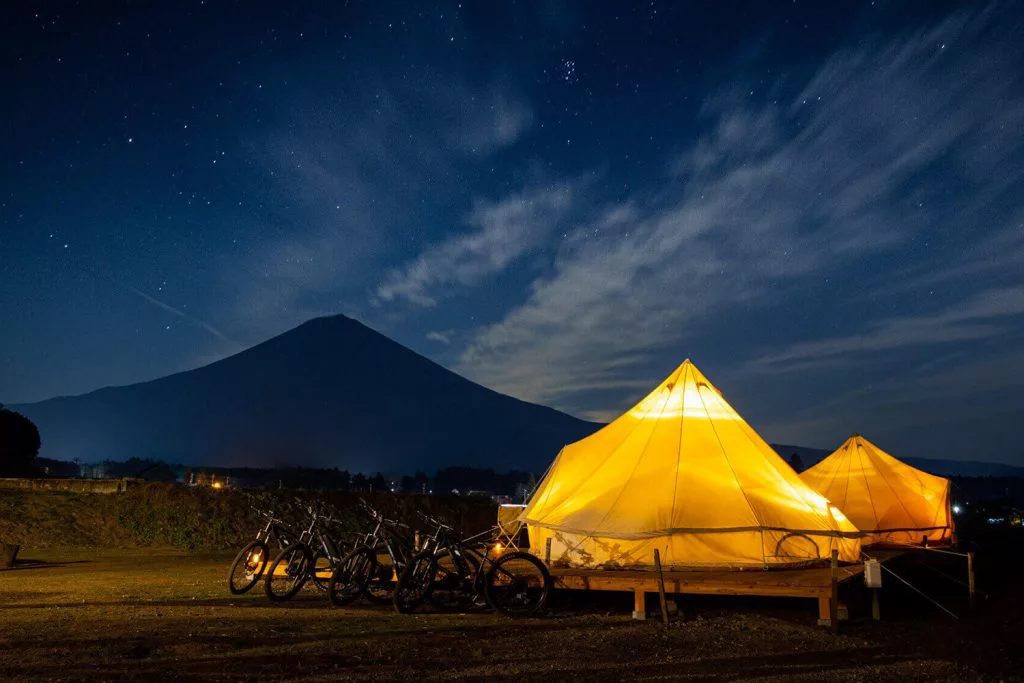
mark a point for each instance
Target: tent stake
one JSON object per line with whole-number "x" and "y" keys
{"x": 661, "y": 587}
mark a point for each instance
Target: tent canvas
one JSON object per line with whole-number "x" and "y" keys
{"x": 682, "y": 472}
{"x": 890, "y": 501}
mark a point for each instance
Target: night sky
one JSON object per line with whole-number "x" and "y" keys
{"x": 822, "y": 204}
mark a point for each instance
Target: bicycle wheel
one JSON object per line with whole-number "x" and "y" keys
{"x": 453, "y": 582}
{"x": 381, "y": 586}
{"x": 322, "y": 570}
{"x": 349, "y": 579}
{"x": 517, "y": 584}
{"x": 248, "y": 567}
{"x": 415, "y": 583}
{"x": 288, "y": 572}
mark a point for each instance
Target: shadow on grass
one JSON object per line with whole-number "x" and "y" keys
{"x": 40, "y": 564}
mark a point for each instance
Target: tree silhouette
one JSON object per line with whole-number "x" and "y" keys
{"x": 416, "y": 483}
{"x": 19, "y": 444}
{"x": 796, "y": 462}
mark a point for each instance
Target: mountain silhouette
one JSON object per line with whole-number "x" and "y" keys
{"x": 331, "y": 392}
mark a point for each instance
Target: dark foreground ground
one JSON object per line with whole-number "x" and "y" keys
{"x": 146, "y": 614}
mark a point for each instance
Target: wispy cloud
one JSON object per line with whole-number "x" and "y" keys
{"x": 980, "y": 317}
{"x": 441, "y": 336}
{"x": 338, "y": 188}
{"x": 501, "y": 232}
{"x": 778, "y": 190}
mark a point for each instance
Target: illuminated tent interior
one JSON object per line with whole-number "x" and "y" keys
{"x": 682, "y": 472}
{"x": 892, "y": 502}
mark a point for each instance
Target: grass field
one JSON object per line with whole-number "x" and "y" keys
{"x": 121, "y": 614}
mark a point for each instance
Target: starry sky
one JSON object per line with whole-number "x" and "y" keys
{"x": 822, "y": 204}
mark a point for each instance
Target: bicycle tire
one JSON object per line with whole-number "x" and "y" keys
{"x": 296, "y": 569}
{"x": 416, "y": 583}
{"x": 518, "y": 585}
{"x": 349, "y": 578}
{"x": 380, "y": 589}
{"x": 253, "y": 571}
{"x": 321, "y": 577}
{"x": 454, "y": 591}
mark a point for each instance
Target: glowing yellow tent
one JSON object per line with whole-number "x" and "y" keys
{"x": 683, "y": 473}
{"x": 890, "y": 501}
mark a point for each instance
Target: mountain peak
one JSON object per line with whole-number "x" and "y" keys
{"x": 329, "y": 392}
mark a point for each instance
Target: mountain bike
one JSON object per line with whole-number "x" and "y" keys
{"x": 372, "y": 567}
{"x": 312, "y": 557}
{"x": 456, "y": 573}
{"x": 251, "y": 561}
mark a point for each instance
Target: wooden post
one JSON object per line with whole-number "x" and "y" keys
{"x": 970, "y": 576}
{"x": 876, "y": 608}
{"x": 661, "y": 587}
{"x": 547, "y": 553}
{"x": 833, "y": 605}
{"x": 8, "y": 554}
{"x": 639, "y": 604}
{"x": 823, "y": 607}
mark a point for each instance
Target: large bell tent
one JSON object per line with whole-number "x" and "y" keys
{"x": 682, "y": 472}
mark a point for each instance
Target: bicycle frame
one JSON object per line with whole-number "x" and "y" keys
{"x": 457, "y": 548}
{"x": 386, "y": 535}
{"x": 275, "y": 531}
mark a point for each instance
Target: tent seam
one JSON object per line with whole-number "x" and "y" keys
{"x": 728, "y": 462}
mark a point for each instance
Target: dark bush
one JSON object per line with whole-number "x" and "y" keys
{"x": 19, "y": 444}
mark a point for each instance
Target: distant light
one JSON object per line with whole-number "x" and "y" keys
{"x": 956, "y": 509}
{"x": 217, "y": 485}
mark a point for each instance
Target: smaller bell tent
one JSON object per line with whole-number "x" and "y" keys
{"x": 890, "y": 501}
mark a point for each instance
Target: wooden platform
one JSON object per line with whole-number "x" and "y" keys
{"x": 811, "y": 582}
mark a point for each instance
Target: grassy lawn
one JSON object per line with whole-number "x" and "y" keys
{"x": 114, "y": 614}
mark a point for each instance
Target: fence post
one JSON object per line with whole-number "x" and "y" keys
{"x": 661, "y": 587}
{"x": 833, "y": 603}
{"x": 970, "y": 576}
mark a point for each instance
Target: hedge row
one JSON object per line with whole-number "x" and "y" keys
{"x": 195, "y": 518}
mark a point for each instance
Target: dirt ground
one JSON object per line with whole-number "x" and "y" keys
{"x": 146, "y": 614}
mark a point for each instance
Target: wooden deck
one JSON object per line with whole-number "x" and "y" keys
{"x": 811, "y": 582}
